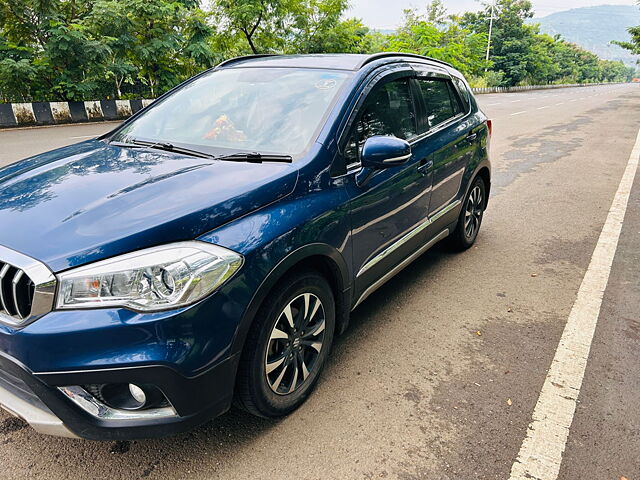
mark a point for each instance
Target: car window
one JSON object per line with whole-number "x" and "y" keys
{"x": 266, "y": 110}
{"x": 388, "y": 110}
{"x": 455, "y": 99}
{"x": 464, "y": 93}
{"x": 441, "y": 103}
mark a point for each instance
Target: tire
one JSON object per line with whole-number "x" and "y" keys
{"x": 470, "y": 219}
{"x": 282, "y": 358}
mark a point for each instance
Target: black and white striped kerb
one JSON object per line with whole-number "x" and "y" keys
{"x": 54, "y": 113}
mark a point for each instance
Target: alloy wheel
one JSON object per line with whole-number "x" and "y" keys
{"x": 295, "y": 343}
{"x": 473, "y": 212}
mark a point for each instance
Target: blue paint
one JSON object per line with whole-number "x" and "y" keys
{"x": 385, "y": 152}
{"x": 93, "y": 200}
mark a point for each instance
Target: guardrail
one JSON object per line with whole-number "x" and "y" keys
{"x": 55, "y": 113}
{"x": 535, "y": 87}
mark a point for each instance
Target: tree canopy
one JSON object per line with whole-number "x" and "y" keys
{"x": 634, "y": 44}
{"x": 93, "y": 49}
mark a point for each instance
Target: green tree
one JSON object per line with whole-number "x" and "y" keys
{"x": 316, "y": 27}
{"x": 109, "y": 21}
{"x": 73, "y": 50}
{"x": 17, "y": 73}
{"x": 89, "y": 49}
{"x": 634, "y": 44}
{"x": 542, "y": 67}
{"x": 439, "y": 36}
{"x": 49, "y": 35}
{"x": 616, "y": 71}
{"x": 512, "y": 40}
{"x": 288, "y": 26}
{"x": 255, "y": 21}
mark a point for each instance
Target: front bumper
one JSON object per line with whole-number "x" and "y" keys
{"x": 18, "y": 399}
{"x": 186, "y": 354}
{"x": 38, "y": 400}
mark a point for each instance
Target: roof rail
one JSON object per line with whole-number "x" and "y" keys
{"x": 226, "y": 63}
{"x": 377, "y": 56}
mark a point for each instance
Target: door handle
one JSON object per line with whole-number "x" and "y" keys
{"x": 425, "y": 166}
{"x": 471, "y": 137}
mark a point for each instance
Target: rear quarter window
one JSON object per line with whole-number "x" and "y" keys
{"x": 465, "y": 94}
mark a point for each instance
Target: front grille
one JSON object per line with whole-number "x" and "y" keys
{"x": 27, "y": 288}
{"x": 16, "y": 292}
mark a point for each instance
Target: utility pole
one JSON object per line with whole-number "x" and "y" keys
{"x": 491, "y": 18}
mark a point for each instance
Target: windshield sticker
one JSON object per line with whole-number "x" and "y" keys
{"x": 326, "y": 84}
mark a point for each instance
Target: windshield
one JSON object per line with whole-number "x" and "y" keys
{"x": 266, "y": 110}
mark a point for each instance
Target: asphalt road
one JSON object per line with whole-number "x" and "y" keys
{"x": 440, "y": 370}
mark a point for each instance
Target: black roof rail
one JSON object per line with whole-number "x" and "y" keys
{"x": 378, "y": 56}
{"x": 226, "y": 63}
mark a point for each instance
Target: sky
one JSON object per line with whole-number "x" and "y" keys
{"x": 387, "y": 14}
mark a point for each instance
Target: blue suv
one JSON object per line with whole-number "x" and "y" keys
{"x": 208, "y": 250}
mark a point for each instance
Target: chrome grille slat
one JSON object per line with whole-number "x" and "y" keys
{"x": 14, "y": 289}
{"x": 27, "y": 288}
{"x": 3, "y": 273}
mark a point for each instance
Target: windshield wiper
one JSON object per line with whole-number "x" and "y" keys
{"x": 169, "y": 147}
{"x": 125, "y": 144}
{"x": 251, "y": 157}
{"x": 255, "y": 157}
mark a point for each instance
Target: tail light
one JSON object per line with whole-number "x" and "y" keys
{"x": 490, "y": 127}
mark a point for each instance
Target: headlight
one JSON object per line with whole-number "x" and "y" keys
{"x": 148, "y": 280}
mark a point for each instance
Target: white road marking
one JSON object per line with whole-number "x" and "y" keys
{"x": 490, "y": 104}
{"x": 541, "y": 452}
{"x": 518, "y": 113}
{"x": 514, "y": 101}
{"x": 560, "y": 103}
{"x": 540, "y": 108}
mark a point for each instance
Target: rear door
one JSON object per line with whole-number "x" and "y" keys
{"x": 449, "y": 135}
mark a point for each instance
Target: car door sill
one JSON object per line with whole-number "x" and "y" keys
{"x": 387, "y": 276}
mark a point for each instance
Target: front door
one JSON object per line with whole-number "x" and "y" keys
{"x": 393, "y": 202}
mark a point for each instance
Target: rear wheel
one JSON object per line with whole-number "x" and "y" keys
{"x": 470, "y": 218}
{"x": 287, "y": 346}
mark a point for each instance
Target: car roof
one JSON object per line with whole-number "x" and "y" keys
{"x": 335, "y": 61}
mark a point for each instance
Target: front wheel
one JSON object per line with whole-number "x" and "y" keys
{"x": 287, "y": 346}
{"x": 470, "y": 218}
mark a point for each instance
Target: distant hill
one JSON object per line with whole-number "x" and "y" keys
{"x": 594, "y": 27}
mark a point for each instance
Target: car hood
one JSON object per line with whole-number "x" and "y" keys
{"x": 92, "y": 200}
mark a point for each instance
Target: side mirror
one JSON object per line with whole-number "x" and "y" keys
{"x": 384, "y": 152}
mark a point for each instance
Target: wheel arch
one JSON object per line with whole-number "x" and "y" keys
{"x": 485, "y": 174}
{"x": 483, "y": 170}
{"x": 317, "y": 256}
